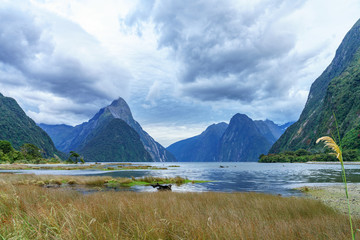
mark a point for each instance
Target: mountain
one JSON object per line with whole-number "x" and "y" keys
{"x": 79, "y": 138}
{"x": 337, "y": 91}
{"x": 269, "y": 129}
{"x": 115, "y": 141}
{"x": 57, "y": 132}
{"x": 242, "y": 140}
{"x": 120, "y": 109}
{"x": 285, "y": 126}
{"x": 17, "y": 128}
{"x": 201, "y": 148}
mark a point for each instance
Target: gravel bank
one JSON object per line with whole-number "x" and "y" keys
{"x": 334, "y": 163}
{"x": 334, "y": 196}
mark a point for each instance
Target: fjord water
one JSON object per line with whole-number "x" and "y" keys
{"x": 274, "y": 178}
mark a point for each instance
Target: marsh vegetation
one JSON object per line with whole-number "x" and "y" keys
{"x": 32, "y": 212}
{"x": 101, "y": 182}
{"x": 104, "y": 167}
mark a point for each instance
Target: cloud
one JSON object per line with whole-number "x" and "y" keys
{"x": 177, "y": 63}
{"x": 20, "y": 37}
{"x": 55, "y": 57}
{"x": 168, "y": 134}
{"x": 227, "y": 50}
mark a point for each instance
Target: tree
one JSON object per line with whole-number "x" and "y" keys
{"x": 31, "y": 151}
{"x": 5, "y": 147}
{"x": 72, "y": 156}
{"x": 302, "y": 152}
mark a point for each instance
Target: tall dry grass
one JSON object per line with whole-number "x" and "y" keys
{"x": 31, "y": 212}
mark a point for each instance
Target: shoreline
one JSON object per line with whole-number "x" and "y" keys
{"x": 334, "y": 196}
{"x": 334, "y": 163}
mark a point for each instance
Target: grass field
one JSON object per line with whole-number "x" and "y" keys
{"x": 34, "y": 212}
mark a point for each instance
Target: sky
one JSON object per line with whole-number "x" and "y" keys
{"x": 180, "y": 65}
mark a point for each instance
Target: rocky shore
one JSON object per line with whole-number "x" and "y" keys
{"x": 335, "y": 163}
{"x": 334, "y": 196}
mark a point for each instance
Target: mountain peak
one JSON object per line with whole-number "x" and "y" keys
{"x": 118, "y": 102}
{"x": 243, "y": 140}
{"x": 111, "y": 127}
{"x": 269, "y": 121}
{"x": 239, "y": 117}
{"x": 120, "y": 109}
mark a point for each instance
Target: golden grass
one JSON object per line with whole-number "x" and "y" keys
{"x": 330, "y": 143}
{"x": 31, "y": 212}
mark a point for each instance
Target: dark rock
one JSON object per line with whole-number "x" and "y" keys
{"x": 160, "y": 187}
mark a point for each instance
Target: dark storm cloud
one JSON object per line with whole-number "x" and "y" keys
{"x": 19, "y": 37}
{"x": 68, "y": 78}
{"x": 30, "y": 56}
{"x": 219, "y": 91}
{"x": 226, "y": 50}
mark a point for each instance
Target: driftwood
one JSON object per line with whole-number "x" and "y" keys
{"x": 160, "y": 187}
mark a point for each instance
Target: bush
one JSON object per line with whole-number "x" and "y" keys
{"x": 31, "y": 151}
{"x": 5, "y": 147}
{"x": 351, "y": 155}
{"x": 302, "y": 152}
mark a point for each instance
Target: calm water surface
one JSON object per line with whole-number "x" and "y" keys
{"x": 274, "y": 178}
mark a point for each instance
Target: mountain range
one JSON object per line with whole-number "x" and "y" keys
{"x": 111, "y": 135}
{"x": 114, "y": 135}
{"x": 334, "y": 99}
{"x": 241, "y": 140}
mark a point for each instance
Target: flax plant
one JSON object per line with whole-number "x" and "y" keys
{"x": 331, "y": 144}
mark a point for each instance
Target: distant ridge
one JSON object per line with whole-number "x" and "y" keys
{"x": 201, "y": 148}
{"x": 241, "y": 140}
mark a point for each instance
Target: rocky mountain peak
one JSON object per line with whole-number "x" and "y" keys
{"x": 242, "y": 121}
{"x": 240, "y": 117}
{"x": 120, "y": 109}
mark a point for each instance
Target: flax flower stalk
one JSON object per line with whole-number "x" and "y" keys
{"x": 330, "y": 143}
